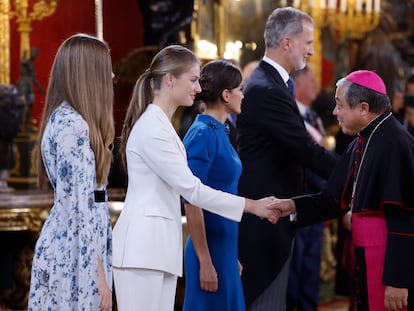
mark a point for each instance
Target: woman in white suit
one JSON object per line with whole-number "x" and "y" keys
{"x": 147, "y": 238}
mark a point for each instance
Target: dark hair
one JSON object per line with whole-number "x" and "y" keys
{"x": 410, "y": 80}
{"x": 217, "y": 76}
{"x": 409, "y": 100}
{"x": 355, "y": 94}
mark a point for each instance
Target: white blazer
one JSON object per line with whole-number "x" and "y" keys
{"x": 148, "y": 233}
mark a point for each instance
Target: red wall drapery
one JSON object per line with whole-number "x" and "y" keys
{"x": 122, "y": 28}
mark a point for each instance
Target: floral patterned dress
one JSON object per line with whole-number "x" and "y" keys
{"x": 78, "y": 229}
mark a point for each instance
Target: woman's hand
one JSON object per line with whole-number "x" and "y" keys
{"x": 208, "y": 277}
{"x": 105, "y": 293}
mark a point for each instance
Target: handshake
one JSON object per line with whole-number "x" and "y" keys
{"x": 271, "y": 208}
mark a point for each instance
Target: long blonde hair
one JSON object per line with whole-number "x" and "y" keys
{"x": 81, "y": 75}
{"x": 173, "y": 59}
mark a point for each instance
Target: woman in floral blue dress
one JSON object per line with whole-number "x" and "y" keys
{"x": 72, "y": 263}
{"x": 212, "y": 270}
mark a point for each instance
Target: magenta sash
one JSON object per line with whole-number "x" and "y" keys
{"x": 370, "y": 232}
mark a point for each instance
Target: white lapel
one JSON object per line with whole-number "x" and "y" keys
{"x": 166, "y": 122}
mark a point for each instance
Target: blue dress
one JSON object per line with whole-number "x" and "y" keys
{"x": 77, "y": 230}
{"x": 213, "y": 159}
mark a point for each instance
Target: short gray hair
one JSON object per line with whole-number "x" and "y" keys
{"x": 284, "y": 22}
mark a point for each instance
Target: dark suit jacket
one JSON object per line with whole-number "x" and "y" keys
{"x": 275, "y": 149}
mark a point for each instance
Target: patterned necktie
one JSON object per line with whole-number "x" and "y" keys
{"x": 291, "y": 87}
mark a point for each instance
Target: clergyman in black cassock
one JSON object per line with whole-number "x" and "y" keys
{"x": 374, "y": 179}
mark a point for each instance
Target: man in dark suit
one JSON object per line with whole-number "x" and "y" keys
{"x": 275, "y": 149}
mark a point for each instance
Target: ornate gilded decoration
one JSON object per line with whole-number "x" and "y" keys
{"x": 22, "y": 214}
{"x": 99, "y": 19}
{"x": 20, "y": 10}
{"x": 4, "y": 42}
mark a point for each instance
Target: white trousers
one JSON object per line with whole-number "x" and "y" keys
{"x": 144, "y": 289}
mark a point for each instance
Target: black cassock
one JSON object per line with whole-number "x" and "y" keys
{"x": 381, "y": 161}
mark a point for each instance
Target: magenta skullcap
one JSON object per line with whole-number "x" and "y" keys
{"x": 368, "y": 79}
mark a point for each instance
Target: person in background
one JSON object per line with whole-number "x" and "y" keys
{"x": 398, "y": 100}
{"x": 211, "y": 264}
{"x": 409, "y": 113}
{"x": 409, "y": 85}
{"x": 275, "y": 148}
{"x": 304, "y": 279}
{"x": 72, "y": 261}
{"x": 397, "y": 105}
{"x": 376, "y": 189}
{"x": 409, "y": 104}
{"x": 147, "y": 237}
{"x": 248, "y": 69}
{"x": 345, "y": 261}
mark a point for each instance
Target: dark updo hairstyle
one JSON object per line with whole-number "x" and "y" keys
{"x": 217, "y": 76}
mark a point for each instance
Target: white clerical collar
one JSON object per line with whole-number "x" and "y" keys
{"x": 282, "y": 71}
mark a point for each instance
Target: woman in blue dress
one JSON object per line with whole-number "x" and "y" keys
{"x": 72, "y": 262}
{"x": 212, "y": 270}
